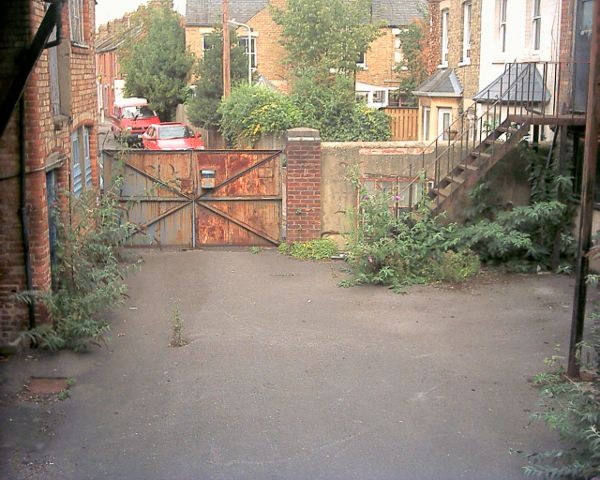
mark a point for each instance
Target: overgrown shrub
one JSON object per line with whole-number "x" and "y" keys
{"x": 572, "y": 408}
{"x": 411, "y": 248}
{"x": 252, "y": 111}
{"x": 87, "y": 275}
{"x": 318, "y": 249}
{"x": 329, "y": 105}
{"x": 525, "y": 237}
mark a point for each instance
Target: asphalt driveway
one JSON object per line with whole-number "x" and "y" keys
{"x": 287, "y": 376}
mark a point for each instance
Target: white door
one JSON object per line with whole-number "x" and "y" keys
{"x": 444, "y": 122}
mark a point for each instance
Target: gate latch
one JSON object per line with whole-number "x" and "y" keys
{"x": 207, "y": 178}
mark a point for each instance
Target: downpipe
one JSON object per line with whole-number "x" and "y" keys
{"x": 24, "y": 213}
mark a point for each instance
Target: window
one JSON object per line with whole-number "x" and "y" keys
{"x": 502, "y": 25}
{"x": 251, "y": 50}
{"x": 379, "y": 96}
{"x": 81, "y": 167}
{"x": 208, "y": 41}
{"x": 361, "y": 61}
{"x": 444, "y": 121}
{"x": 466, "y": 51}
{"x": 76, "y": 20}
{"x": 426, "y": 123}
{"x": 537, "y": 24}
{"x": 76, "y": 164}
{"x": 445, "y": 18}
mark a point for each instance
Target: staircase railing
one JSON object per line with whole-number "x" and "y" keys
{"x": 522, "y": 92}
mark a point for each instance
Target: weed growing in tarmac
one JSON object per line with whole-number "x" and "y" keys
{"x": 177, "y": 338}
{"x": 319, "y": 249}
{"x": 254, "y": 250}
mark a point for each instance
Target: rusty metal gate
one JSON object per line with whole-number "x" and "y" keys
{"x": 200, "y": 198}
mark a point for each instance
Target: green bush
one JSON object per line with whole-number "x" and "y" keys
{"x": 330, "y": 106}
{"x": 252, "y": 111}
{"x": 319, "y": 249}
{"x": 412, "y": 248}
{"x": 571, "y": 408}
{"x": 88, "y": 276}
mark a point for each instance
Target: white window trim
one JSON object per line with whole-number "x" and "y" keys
{"x": 467, "y": 15}
{"x": 502, "y": 24}
{"x": 253, "y": 53}
{"x": 76, "y": 12}
{"x": 363, "y": 64}
{"x": 445, "y": 20}
{"x": 426, "y": 122}
{"x": 536, "y": 25}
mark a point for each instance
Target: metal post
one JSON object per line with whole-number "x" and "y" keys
{"x": 226, "y": 51}
{"x": 590, "y": 156}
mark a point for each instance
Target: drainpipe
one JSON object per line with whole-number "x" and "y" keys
{"x": 24, "y": 213}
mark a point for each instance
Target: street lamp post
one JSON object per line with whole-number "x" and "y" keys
{"x": 239, "y": 24}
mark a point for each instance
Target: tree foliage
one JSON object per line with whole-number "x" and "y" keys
{"x": 325, "y": 35}
{"x": 412, "y": 70}
{"x": 157, "y": 66}
{"x": 329, "y": 105}
{"x": 252, "y": 111}
{"x": 202, "y": 108}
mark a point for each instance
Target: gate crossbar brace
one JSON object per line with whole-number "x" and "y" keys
{"x": 158, "y": 180}
{"x": 240, "y": 174}
{"x": 239, "y": 223}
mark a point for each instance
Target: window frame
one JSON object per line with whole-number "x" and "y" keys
{"x": 502, "y": 24}
{"x": 466, "y": 39}
{"x": 426, "y": 123}
{"x": 76, "y": 24}
{"x": 243, "y": 42}
{"x": 536, "y": 25}
{"x": 445, "y": 40}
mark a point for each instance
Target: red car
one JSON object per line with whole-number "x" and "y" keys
{"x": 171, "y": 136}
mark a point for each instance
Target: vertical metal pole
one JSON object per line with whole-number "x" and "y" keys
{"x": 226, "y": 51}
{"x": 590, "y": 157}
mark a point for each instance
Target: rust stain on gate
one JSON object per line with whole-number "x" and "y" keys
{"x": 164, "y": 197}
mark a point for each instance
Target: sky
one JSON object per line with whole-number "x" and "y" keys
{"x": 107, "y": 10}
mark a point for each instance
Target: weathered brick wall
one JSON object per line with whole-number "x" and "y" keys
{"x": 303, "y": 193}
{"x": 380, "y": 61}
{"x": 467, "y": 73}
{"x": 42, "y": 140}
{"x": 567, "y": 18}
{"x": 270, "y": 54}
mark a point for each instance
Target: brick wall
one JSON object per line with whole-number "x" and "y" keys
{"x": 380, "y": 61}
{"x": 303, "y": 193}
{"x": 270, "y": 54}
{"x": 467, "y": 73}
{"x": 45, "y": 139}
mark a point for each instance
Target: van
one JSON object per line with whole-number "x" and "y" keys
{"x": 131, "y": 118}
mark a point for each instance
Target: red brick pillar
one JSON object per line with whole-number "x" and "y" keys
{"x": 303, "y": 199}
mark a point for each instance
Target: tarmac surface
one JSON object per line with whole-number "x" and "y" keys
{"x": 288, "y": 376}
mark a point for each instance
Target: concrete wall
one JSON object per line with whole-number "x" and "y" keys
{"x": 338, "y": 197}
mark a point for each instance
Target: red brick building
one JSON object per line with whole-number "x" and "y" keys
{"x": 48, "y": 140}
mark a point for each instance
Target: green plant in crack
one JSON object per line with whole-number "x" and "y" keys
{"x": 177, "y": 337}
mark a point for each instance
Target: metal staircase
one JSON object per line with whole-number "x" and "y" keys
{"x": 479, "y": 138}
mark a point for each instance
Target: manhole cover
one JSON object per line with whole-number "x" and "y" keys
{"x": 47, "y": 385}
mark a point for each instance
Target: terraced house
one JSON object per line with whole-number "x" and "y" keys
{"x": 47, "y": 141}
{"x": 376, "y": 77}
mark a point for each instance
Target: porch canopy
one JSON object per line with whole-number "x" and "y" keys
{"x": 443, "y": 83}
{"x": 519, "y": 83}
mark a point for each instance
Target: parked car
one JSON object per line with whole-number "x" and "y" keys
{"x": 131, "y": 119}
{"x": 171, "y": 136}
